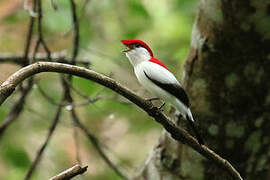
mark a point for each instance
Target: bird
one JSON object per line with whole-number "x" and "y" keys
{"x": 156, "y": 78}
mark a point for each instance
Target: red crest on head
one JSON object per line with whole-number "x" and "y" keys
{"x": 134, "y": 41}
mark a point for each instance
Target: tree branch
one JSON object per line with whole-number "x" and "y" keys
{"x": 44, "y": 145}
{"x": 87, "y": 133}
{"x": 176, "y": 132}
{"x": 17, "y": 108}
{"x": 40, "y": 34}
{"x": 97, "y": 146}
{"x": 19, "y": 105}
{"x": 72, "y": 104}
{"x": 77, "y": 145}
{"x": 30, "y": 33}
{"x": 55, "y": 57}
{"x": 70, "y": 173}
{"x": 76, "y": 30}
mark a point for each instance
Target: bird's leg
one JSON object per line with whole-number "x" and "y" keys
{"x": 153, "y": 99}
{"x": 156, "y": 99}
{"x": 161, "y": 106}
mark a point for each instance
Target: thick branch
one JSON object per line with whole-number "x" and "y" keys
{"x": 176, "y": 132}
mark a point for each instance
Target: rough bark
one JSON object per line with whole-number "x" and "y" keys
{"x": 227, "y": 79}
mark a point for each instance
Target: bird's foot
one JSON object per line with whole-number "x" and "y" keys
{"x": 156, "y": 110}
{"x": 161, "y": 106}
{"x": 156, "y": 99}
{"x": 153, "y": 99}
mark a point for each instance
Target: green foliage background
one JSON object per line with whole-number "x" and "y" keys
{"x": 125, "y": 131}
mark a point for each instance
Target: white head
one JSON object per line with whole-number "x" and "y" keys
{"x": 138, "y": 51}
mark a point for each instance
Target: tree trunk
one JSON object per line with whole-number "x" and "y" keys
{"x": 227, "y": 77}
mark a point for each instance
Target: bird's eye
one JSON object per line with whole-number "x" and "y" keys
{"x": 137, "y": 45}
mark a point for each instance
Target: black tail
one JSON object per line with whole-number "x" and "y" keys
{"x": 198, "y": 136}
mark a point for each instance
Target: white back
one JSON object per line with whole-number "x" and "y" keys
{"x": 157, "y": 72}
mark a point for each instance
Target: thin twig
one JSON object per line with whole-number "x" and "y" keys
{"x": 55, "y": 57}
{"x": 67, "y": 104}
{"x": 76, "y": 31}
{"x": 30, "y": 32}
{"x": 76, "y": 39}
{"x": 90, "y": 136}
{"x": 75, "y": 137}
{"x": 44, "y": 145}
{"x": 41, "y": 40}
{"x": 31, "y": 11}
{"x": 68, "y": 98}
{"x": 17, "y": 108}
{"x": 33, "y": 59}
{"x": 97, "y": 145}
{"x": 82, "y": 94}
{"x": 54, "y": 5}
{"x": 178, "y": 133}
{"x": 70, "y": 173}
{"x": 35, "y": 112}
{"x": 83, "y": 9}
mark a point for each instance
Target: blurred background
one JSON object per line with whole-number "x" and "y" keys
{"x": 126, "y": 133}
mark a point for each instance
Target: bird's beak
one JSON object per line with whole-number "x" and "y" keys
{"x": 129, "y": 46}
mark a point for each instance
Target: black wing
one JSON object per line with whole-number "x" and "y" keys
{"x": 174, "y": 89}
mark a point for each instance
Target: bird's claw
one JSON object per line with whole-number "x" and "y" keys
{"x": 153, "y": 99}
{"x": 156, "y": 110}
{"x": 161, "y": 106}
{"x": 156, "y": 99}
